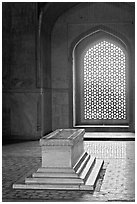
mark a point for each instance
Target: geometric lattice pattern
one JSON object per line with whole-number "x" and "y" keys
{"x": 105, "y": 82}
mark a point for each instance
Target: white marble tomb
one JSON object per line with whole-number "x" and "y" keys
{"x": 65, "y": 165}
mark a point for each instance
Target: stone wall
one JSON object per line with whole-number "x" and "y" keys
{"x": 37, "y": 75}
{"x": 20, "y": 92}
{"x": 75, "y": 22}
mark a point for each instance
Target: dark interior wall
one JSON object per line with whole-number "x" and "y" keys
{"x": 74, "y": 23}
{"x": 37, "y": 62}
{"x": 21, "y": 94}
{"x": 26, "y": 72}
{"x": 49, "y": 14}
{"x": 19, "y": 21}
{"x": 46, "y": 82}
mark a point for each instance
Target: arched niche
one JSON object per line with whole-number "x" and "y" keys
{"x": 101, "y": 73}
{"x": 51, "y": 75}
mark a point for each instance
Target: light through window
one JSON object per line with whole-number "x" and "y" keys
{"x": 104, "y": 82}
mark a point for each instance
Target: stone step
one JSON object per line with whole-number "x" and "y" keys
{"x": 91, "y": 181}
{"x": 81, "y": 159}
{"x": 46, "y": 186}
{"x": 56, "y": 170}
{"x": 47, "y": 181}
{"x": 54, "y": 175}
{"x": 88, "y": 168}
{"x": 83, "y": 164}
{"x": 89, "y": 175}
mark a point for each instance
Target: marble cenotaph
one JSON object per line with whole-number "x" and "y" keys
{"x": 65, "y": 164}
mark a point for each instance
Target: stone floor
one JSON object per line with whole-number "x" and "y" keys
{"x": 22, "y": 159}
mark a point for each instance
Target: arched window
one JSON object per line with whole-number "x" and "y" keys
{"x": 104, "y": 82}
{"x": 100, "y": 67}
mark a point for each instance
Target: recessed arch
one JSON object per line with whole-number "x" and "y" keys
{"x": 46, "y": 28}
{"x": 119, "y": 37}
{"x": 97, "y": 109}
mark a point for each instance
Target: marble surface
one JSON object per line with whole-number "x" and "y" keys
{"x": 62, "y": 148}
{"x": 118, "y": 183}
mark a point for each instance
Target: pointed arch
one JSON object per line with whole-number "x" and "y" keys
{"x": 95, "y": 103}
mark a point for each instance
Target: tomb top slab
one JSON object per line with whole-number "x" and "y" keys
{"x": 63, "y": 137}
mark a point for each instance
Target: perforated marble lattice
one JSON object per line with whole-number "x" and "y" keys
{"x": 105, "y": 82}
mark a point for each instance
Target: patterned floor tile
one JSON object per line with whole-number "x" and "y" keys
{"x": 118, "y": 183}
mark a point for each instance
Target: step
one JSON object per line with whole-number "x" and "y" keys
{"x": 46, "y": 186}
{"x": 56, "y": 170}
{"x": 54, "y": 181}
{"x": 83, "y": 164}
{"x": 91, "y": 181}
{"x": 89, "y": 166}
{"x": 81, "y": 159}
{"x": 54, "y": 175}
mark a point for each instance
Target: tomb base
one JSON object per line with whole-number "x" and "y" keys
{"x": 65, "y": 165}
